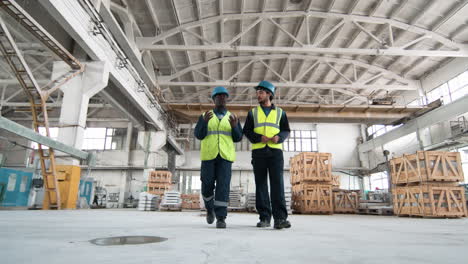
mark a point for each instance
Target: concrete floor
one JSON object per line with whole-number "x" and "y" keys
{"x": 63, "y": 237}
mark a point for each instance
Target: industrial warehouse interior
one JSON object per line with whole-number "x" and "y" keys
{"x": 102, "y": 104}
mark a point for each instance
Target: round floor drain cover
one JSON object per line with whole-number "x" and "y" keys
{"x": 127, "y": 240}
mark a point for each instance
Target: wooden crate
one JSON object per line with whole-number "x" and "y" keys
{"x": 345, "y": 201}
{"x": 312, "y": 198}
{"x": 160, "y": 177}
{"x": 292, "y": 171}
{"x": 427, "y": 166}
{"x": 336, "y": 181}
{"x": 311, "y": 167}
{"x": 158, "y": 188}
{"x": 430, "y": 200}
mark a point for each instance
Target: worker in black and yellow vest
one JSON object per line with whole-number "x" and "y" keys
{"x": 217, "y": 129}
{"x": 267, "y": 127}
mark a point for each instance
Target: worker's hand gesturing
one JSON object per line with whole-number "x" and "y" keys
{"x": 233, "y": 120}
{"x": 207, "y": 116}
{"x": 265, "y": 139}
{"x": 275, "y": 139}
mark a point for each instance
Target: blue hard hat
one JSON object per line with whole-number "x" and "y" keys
{"x": 267, "y": 86}
{"x": 219, "y": 90}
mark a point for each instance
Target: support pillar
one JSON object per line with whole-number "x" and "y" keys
{"x": 171, "y": 163}
{"x": 127, "y": 179}
{"x": 77, "y": 93}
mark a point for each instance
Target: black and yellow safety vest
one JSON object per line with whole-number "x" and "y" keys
{"x": 218, "y": 139}
{"x": 268, "y": 126}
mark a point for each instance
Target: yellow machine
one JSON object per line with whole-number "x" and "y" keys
{"x": 68, "y": 177}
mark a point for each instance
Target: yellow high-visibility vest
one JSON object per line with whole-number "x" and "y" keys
{"x": 268, "y": 126}
{"x": 218, "y": 140}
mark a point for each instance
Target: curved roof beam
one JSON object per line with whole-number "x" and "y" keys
{"x": 386, "y": 49}
{"x": 320, "y": 59}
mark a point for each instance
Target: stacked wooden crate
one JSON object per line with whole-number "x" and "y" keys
{"x": 311, "y": 180}
{"x": 427, "y": 184}
{"x": 159, "y": 182}
{"x": 190, "y": 201}
{"x": 345, "y": 201}
{"x": 336, "y": 182}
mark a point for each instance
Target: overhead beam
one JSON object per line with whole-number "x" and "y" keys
{"x": 308, "y": 112}
{"x": 440, "y": 114}
{"x": 28, "y": 133}
{"x": 307, "y": 49}
{"x": 317, "y": 14}
{"x": 369, "y": 87}
{"x": 319, "y": 59}
{"x": 125, "y": 44}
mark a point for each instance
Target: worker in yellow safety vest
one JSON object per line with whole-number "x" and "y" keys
{"x": 267, "y": 127}
{"x": 217, "y": 129}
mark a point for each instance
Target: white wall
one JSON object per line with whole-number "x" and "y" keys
{"x": 341, "y": 141}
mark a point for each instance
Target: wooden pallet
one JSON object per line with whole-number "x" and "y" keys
{"x": 376, "y": 211}
{"x": 312, "y": 167}
{"x": 315, "y": 212}
{"x": 345, "y": 201}
{"x": 427, "y": 166}
{"x": 160, "y": 177}
{"x": 430, "y": 200}
{"x": 312, "y": 198}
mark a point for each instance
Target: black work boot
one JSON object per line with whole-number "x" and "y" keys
{"x": 220, "y": 222}
{"x": 263, "y": 223}
{"x": 210, "y": 216}
{"x": 281, "y": 223}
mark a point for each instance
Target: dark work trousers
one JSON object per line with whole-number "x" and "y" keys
{"x": 216, "y": 174}
{"x": 270, "y": 164}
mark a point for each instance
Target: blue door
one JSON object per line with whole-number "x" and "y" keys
{"x": 16, "y": 185}
{"x": 86, "y": 189}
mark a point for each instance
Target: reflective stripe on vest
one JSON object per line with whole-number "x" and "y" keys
{"x": 219, "y": 132}
{"x": 268, "y": 126}
{"x": 218, "y": 140}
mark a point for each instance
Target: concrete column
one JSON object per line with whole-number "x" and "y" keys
{"x": 128, "y": 139}
{"x": 127, "y": 175}
{"x": 77, "y": 93}
{"x": 171, "y": 163}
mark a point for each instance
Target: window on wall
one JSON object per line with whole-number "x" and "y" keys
{"x": 378, "y": 181}
{"x": 301, "y": 140}
{"x": 449, "y": 91}
{"x": 378, "y": 130}
{"x": 459, "y": 86}
{"x": 100, "y": 138}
